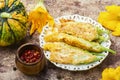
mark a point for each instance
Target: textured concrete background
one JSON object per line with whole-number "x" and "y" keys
{"x": 90, "y": 8}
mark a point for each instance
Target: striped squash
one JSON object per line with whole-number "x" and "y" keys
{"x": 13, "y": 19}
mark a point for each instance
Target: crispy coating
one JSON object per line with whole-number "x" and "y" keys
{"x": 71, "y": 40}
{"x": 84, "y": 30}
{"x": 54, "y": 37}
{"x": 67, "y": 54}
{"x": 75, "y": 41}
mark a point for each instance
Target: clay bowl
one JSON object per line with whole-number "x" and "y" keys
{"x": 33, "y": 67}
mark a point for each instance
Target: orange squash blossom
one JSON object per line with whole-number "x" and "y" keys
{"x": 39, "y": 17}
{"x": 110, "y": 19}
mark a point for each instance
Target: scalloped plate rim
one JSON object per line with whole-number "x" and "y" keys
{"x": 81, "y": 66}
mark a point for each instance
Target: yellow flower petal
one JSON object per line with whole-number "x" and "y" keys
{"x": 39, "y": 17}
{"x": 111, "y": 25}
{"x": 113, "y": 9}
{"x": 117, "y": 30}
{"x": 33, "y": 28}
{"x": 105, "y": 16}
{"x": 108, "y": 74}
{"x": 50, "y": 20}
{"x": 107, "y": 21}
{"x": 41, "y": 10}
{"x": 110, "y": 19}
{"x": 117, "y": 71}
{"x": 111, "y": 74}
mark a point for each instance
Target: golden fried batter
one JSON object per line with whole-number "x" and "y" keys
{"x": 84, "y": 30}
{"x": 70, "y": 41}
{"x": 66, "y": 54}
{"x": 75, "y": 41}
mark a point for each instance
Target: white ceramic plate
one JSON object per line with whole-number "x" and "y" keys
{"x": 81, "y": 67}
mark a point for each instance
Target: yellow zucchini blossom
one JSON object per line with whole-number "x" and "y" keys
{"x": 39, "y": 17}
{"x": 110, "y": 19}
{"x": 111, "y": 74}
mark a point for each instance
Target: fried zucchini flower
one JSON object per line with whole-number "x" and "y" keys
{"x": 39, "y": 17}
{"x": 110, "y": 19}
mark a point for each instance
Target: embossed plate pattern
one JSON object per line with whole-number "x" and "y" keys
{"x": 80, "y": 67}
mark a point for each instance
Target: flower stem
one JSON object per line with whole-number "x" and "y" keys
{"x": 40, "y": 4}
{"x": 5, "y": 15}
{"x": 41, "y": 0}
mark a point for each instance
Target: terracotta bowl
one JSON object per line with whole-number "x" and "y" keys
{"x": 33, "y": 67}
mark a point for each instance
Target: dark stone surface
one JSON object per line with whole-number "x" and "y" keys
{"x": 89, "y": 8}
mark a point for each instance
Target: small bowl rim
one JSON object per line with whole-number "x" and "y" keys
{"x": 31, "y": 44}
